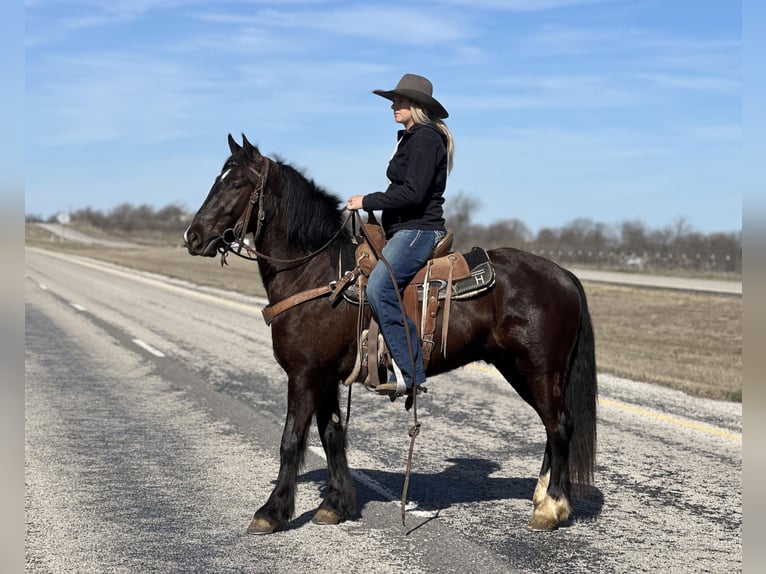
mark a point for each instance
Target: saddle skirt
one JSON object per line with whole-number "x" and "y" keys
{"x": 472, "y": 274}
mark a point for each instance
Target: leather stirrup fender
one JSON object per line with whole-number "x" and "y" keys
{"x": 447, "y": 302}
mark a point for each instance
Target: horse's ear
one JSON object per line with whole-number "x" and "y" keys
{"x": 246, "y": 144}
{"x": 233, "y": 146}
{"x": 250, "y": 149}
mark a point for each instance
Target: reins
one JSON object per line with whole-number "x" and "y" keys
{"x": 414, "y": 430}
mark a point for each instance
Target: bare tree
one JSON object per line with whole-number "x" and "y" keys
{"x": 582, "y": 241}
{"x": 509, "y": 232}
{"x": 459, "y": 209}
{"x": 681, "y": 227}
{"x": 633, "y": 236}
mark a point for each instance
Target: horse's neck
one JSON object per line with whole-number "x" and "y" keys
{"x": 282, "y": 280}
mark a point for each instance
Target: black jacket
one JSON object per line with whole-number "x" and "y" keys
{"x": 418, "y": 176}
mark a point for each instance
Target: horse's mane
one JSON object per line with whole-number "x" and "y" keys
{"x": 310, "y": 213}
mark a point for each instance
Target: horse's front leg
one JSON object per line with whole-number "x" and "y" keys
{"x": 340, "y": 500}
{"x": 279, "y": 508}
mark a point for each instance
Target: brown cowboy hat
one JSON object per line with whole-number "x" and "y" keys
{"x": 419, "y": 90}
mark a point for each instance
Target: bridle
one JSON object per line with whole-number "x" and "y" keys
{"x": 237, "y": 233}
{"x": 233, "y": 238}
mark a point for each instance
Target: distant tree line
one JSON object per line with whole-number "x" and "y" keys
{"x": 626, "y": 245}
{"x": 126, "y": 218}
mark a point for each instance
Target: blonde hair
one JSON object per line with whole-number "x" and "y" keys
{"x": 421, "y": 116}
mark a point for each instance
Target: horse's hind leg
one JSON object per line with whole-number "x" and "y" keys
{"x": 551, "y": 498}
{"x": 340, "y": 500}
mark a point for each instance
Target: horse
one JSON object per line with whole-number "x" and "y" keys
{"x": 533, "y": 325}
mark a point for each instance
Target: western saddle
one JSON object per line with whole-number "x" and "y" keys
{"x": 446, "y": 276}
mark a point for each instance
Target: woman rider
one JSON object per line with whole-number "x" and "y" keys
{"x": 412, "y": 218}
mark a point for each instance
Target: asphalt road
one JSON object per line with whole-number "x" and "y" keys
{"x": 153, "y": 415}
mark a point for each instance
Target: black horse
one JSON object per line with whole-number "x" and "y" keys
{"x": 533, "y": 325}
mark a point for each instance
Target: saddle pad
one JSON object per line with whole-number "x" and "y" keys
{"x": 481, "y": 279}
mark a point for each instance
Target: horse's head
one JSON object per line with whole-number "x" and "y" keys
{"x": 232, "y": 204}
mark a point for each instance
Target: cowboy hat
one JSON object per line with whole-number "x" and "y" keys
{"x": 419, "y": 90}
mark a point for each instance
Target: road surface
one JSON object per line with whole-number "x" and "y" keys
{"x": 154, "y": 411}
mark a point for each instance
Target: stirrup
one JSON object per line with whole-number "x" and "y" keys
{"x": 393, "y": 389}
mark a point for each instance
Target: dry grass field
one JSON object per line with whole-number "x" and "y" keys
{"x": 687, "y": 341}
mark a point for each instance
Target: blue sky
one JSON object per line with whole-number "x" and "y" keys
{"x": 610, "y": 110}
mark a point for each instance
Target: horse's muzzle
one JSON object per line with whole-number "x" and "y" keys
{"x": 196, "y": 245}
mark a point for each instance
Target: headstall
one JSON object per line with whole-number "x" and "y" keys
{"x": 233, "y": 238}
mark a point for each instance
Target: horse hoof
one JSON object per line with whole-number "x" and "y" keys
{"x": 261, "y": 526}
{"x": 541, "y": 524}
{"x": 324, "y": 516}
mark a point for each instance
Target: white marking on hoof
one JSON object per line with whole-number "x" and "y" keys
{"x": 549, "y": 513}
{"x": 541, "y": 490}
{"x": 563, "y": 509}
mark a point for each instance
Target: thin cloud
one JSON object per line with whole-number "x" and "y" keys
{"x": 552, "y": 92}
{"x": 556, "y": 40}
{"x": 115, "y": 96}
{"x": 50, "y": 21}
{"x": 724, "y": 85}
{"x": 724, "y": 134}
{"x": 578, "y": 145}
{"x": 414, "y": 26}
{"x": 524, "y": 5}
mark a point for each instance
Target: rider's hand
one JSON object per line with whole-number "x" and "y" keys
{"x": 354, "y": 202}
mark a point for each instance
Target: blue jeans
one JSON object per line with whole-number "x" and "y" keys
{"x": 406, "y": 251}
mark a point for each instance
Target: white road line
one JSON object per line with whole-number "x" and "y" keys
{"x": 148, "y": 348}
{"x": 140, "y": 276}
{"x": 77, "y": 306}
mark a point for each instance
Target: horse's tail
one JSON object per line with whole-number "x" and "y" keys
{"x": 580, "y": 398}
